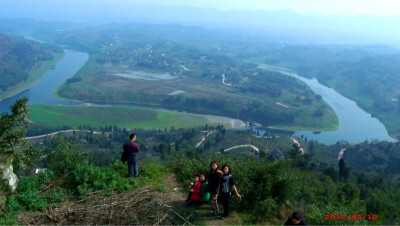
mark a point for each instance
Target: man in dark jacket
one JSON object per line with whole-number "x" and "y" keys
{"x": 295, "y": 219}
{"x": 131, "y": 149}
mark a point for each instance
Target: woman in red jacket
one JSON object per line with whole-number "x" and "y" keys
{"x": 195, "y": 193}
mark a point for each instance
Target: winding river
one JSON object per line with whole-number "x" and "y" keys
{"x": 43, "y": 91}
{"x": 356, "y": 125}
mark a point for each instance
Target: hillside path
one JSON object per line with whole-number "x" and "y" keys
{"x": 201, "y": 214}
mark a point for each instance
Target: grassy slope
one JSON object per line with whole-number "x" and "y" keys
{"x": 34, "y": 76}
{"x": 57, "y": 116}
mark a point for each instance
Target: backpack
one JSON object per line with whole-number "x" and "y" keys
{"x": 124, "y": 156}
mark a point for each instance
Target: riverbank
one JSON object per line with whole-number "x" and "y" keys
{"x": 34, "y": 77}
{"x": 355, "y": 126}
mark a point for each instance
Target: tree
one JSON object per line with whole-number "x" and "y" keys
{"x": 164, "y": 149}
{"x": 207, "y": 145}
{"x": 13, "y": 128}
{"x": 218, "y": 138}
{"x": 262, "y": 153}
{"x": 331, "y": 172}
{"x": 343, "y": 170}
{"x": 295, "y": 151}
{"x": 63, "y": 156}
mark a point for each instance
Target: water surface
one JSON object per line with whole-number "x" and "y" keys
{"x": 355, "y": 125}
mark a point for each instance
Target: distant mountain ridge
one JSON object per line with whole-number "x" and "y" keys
{"x": 286, "y": 26}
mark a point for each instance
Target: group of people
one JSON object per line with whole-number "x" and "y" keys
{"x": 219, "y": 183}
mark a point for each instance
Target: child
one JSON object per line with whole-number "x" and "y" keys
{"x": 194, "y": 194}
{"x": 204, "y": 195}
{"x": 227, "y": 184}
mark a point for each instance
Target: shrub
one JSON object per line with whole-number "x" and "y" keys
{"x": 28, "y": 195}
{"x": 63, "y": 156}
{"x": 88, "y": 178}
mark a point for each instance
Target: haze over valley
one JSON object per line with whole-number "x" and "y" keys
{"x": 276, "y": 90}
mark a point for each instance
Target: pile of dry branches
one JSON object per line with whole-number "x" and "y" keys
{"x": 139, "y": 207}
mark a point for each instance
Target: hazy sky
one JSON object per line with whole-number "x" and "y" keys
{"x": 353, "y": 7}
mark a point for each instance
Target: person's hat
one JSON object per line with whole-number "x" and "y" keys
{"x": 296, "y": 215}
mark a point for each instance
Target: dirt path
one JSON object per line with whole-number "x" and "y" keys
{"x": 298, "y": 143}
{"x": 175, "y": 195}
{"x": 223, "y": 81}
{"x": 58, "y": 132}
{"x": 243, "y": 146}
{"x": 282, "y": 105}
{"x": 208, "y": 133}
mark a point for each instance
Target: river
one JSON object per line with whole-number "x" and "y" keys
{"x": 355, "y": 125}
{"x": 43, "y": 91}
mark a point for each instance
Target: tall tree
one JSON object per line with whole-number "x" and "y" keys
{"x": 13, "y": 128}
{"x": 343, "y": 170}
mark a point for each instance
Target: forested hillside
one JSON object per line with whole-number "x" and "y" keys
{"x": 20, "y": 58}
{"x": 367, "y": 74}
{"x": 276, "y": 178}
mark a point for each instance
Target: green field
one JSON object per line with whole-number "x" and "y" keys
{"x": 95, "y": 116}
{"x": 34, "y": 76}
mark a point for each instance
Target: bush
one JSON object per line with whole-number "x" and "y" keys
{"x": 88, "y": 178}
{"x": 316, "y": 214}
{"x": 263, "y": 185}
{"x": 28, "y": 195}
{"x": 63, "y": 156}
{"x": 8, "y": 220}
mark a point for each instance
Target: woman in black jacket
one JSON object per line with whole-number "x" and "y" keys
{"x": 214, "y": 180}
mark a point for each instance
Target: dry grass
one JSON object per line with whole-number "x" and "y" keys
{"x": 135, "y": 207}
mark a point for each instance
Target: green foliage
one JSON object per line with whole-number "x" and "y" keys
{"x": 264, "y": 186}
{"x": 28, "y": 195}
{"x": 8, "y": 220}
{"x": 39, "y": 191}
{"x": 19, "y": 58}
{"x": 64, "y": 156}
{"x": 316, "y": 214}
{"x": 25, "y": 159}
{"x": 385, "y": 203}
{"x": 13, "y": 126}
{"x": 151, "y": 173}
{"x": 88, "y": 178}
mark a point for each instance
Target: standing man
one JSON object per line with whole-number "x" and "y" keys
{"x": 131, "y": 149}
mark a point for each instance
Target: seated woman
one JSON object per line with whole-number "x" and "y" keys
{"x": 204, "y": 195}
